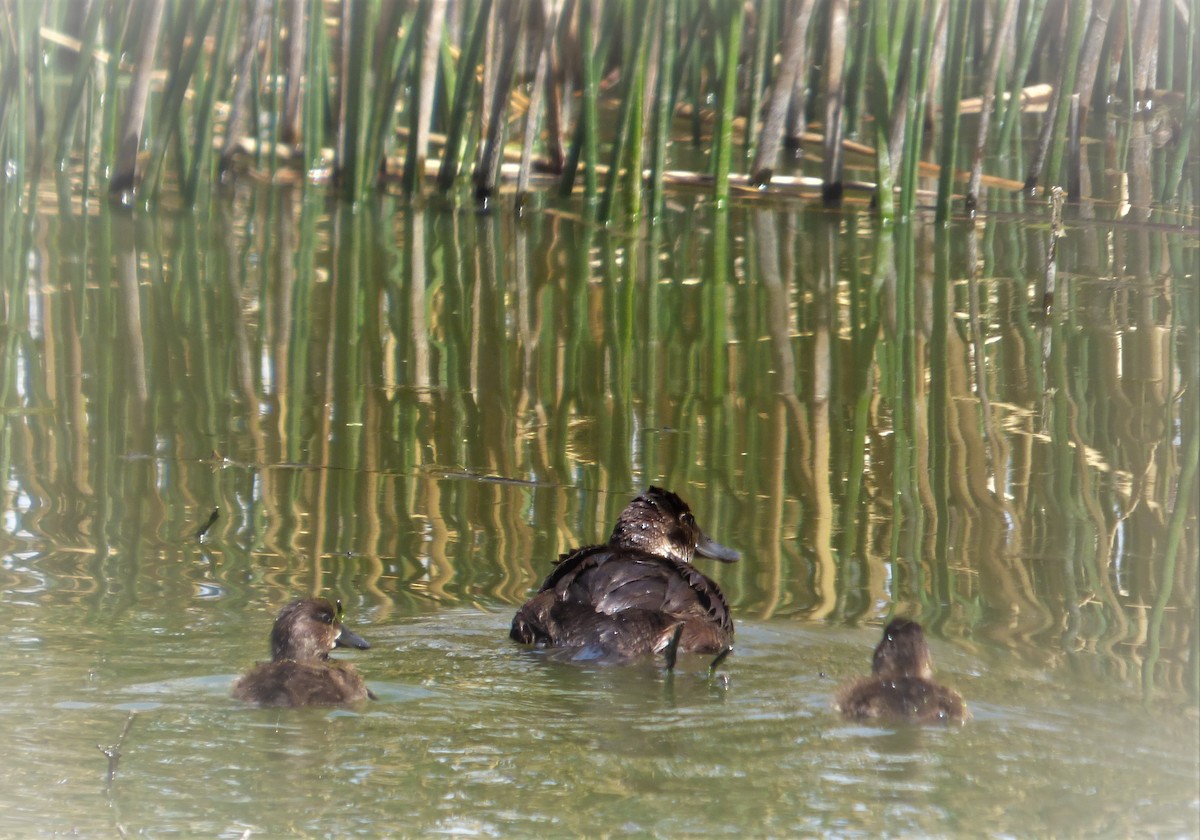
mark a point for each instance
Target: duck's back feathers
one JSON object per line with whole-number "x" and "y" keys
{"x": 624, "y": 603}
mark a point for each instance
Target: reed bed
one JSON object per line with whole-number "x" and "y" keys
{"x": 603, "y": 98}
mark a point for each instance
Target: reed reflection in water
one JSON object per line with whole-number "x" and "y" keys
{"x": 423, "y": 408}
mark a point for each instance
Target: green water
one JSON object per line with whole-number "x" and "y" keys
{"x": 417, "y": 410}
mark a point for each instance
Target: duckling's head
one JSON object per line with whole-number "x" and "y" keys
{"x": 659, "y": 522}
{"x": 903, "y": 652}
{"x": 308, "y": 628}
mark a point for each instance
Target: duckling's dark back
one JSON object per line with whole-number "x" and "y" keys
{"x": 300, "y": 672}
{"x": 901, "y": 685}
{"x": 291, "y": 683}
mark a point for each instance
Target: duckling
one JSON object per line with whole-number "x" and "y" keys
{"x": 300, "y": 672}
{"x": 901, "y": 685}
{"x": 636, "y": 594}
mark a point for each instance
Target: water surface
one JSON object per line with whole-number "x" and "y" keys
{"x": 418, "y": 410}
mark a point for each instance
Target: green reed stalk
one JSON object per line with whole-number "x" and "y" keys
{"x": 170, "y": 115}
{"x": 783, "y": 89}
{"x": 1027, "y": 41}
{"x": 835, "y": 95}
{"x": 856, "y": 63}
{"x": 487, "y": 172}
{"x": 576, "y": 151}
{"x": 109, "y": 95}
{"x": 274, "y": 100}
{"x": 424, "y": 35}
{"x": 886, "y": 24}
{"x": 637, "y": 138}
{"x": 432, "y": 16}
{"x": 202, "y": 153}
{"x": 589, "y": 118}
{"x": 1070, "y": 70}
{"x": 464, "y": 90}
{"x": 631, "y": 109}
{"x": 917, "y": 76}
{"x": 688, "y": 67}
{"x": 664, "y": 102}
{"x": 1093, "y": 50}
{"x": 1001, "y": 37}
{"x": 296, "y": 63}
{"x": 959, "y": 30}
{"x": 83, "y": 70}
{"x": 355, "y": 104}
{"x": 728, "y": 102}
{"x": 14, "y": 93}
{"x": 533, "y": 117}
{"x": 1179, "y": 155}
{"x": 247, "y": 73}
{"x": 391, "y": 67}
{"x": 128, "y": 144}
{"x": 763, "y": 31}
{"x": 315, "y": 94}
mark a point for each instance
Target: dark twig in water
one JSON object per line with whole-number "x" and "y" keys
{"x": 212, "y": 518}
{"x": 113, "y": 753}
{"x": 1057, "y": 199}
{"x": 671, "y": 652}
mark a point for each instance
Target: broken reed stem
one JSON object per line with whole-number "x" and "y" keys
{"x": 113, "y": 752}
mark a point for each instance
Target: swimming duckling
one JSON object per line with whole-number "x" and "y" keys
{"x": 300, "y": 672}
{"x": 637, "y": 594}
{"x": 901, "y": 685}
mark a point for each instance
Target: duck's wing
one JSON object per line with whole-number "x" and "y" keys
{"x": 571, "y": 564}
{"x": 614, "y": 583}
{"x": 626, "y": 601}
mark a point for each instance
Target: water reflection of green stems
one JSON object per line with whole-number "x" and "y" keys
{"x": 899, "y": 385}
{"x": 620, "y": 289}
{"x": 763, "y": 261}
{"x": 1182, "y": 512}
{"x": 716, "y": 331}
{"x": 940, "y": 462}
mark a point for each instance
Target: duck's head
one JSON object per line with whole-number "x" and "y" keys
{"x": 659, "y": 522}
{"x": 308, "y": 628}
{"x": 903, "y": 652}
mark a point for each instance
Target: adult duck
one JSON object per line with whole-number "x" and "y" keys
{"x": 637, "y": 594}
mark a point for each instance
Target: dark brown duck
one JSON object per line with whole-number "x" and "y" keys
{"x": 300, "y": 672}
{"x": 630, "y": 596}
{"x": 901, "y": 685}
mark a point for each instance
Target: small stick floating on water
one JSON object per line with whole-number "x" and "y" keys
{"x": 113, "y": 752}
{"x": 212, "y": 518}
